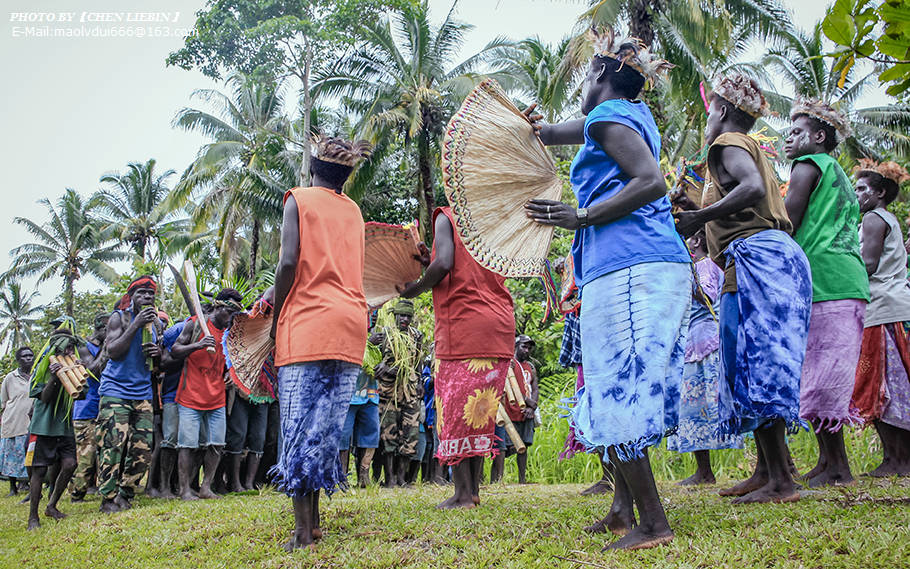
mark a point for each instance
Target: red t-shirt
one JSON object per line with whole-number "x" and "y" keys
{"x": 474, "y": 314}
{"x": 201, "y": 384}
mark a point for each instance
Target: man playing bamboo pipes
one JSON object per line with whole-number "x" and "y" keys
{"x": 520, "y": 406}
{"x": 200, "y": 393}
{"x": 125, "y": 410}
{"x": 52, "y": 421}
{"x": 400, "y": 392}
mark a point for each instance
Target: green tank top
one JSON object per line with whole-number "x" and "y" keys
{"x": 829, "y": 235}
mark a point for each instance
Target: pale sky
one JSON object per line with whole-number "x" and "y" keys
{"x": 75, "y": 108}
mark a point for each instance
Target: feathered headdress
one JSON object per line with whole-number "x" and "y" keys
{"x": 743, "y": 93}
{"x": 628, "y": 51}
{"x": 890, "y": 170}
{"x": 340, "y": 151}
{"x": 824, "y": 112}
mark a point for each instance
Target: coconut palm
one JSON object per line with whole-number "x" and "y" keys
{"x": 69, "y": 245}
{"x": 799, "y": 61}
{"x": 536, "y": 73}
{"x": 18, "y": 315}
{"x": 238, "y": 180}
{"x": 135, "y": 210}
{"x": 403, "y": 84}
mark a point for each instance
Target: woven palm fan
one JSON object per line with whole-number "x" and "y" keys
{"x": 247, "y": 346}
{"x": 492, "y": 164}
{"x": 388, "y": 260}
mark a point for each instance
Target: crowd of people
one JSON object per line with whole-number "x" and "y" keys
{"x": 774, "y": 313}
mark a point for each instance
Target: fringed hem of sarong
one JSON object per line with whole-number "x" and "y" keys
{"x": 298, "y": 486}
{"x": 833, "y": 424}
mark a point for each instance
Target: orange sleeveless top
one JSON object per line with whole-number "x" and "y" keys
{"x": 325, "y": 314}
{"x": 474, "y": 314}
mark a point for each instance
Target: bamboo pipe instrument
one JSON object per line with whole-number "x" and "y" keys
{"x": 519, "y": 444}
{"x": 77, "y": 371}
{"x": 70, "y": 384}
{"x": 510, "y": 393}
{"x": 512, "y": 381}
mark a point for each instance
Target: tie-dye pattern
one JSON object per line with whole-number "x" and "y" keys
{"x": 764, "y": 328}
{"x": 313, "y": 399}
{"x": 633, "y": 330}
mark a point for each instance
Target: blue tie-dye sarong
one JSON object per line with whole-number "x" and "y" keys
{"x": 764, "y": 327}
{"x": 633, "y": 343}
{"x": 313, "y": 399}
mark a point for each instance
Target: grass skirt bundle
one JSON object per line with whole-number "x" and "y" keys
{"x": 492, "y": 164}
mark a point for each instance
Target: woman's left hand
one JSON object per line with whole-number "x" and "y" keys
{"x": 549, "y": 212}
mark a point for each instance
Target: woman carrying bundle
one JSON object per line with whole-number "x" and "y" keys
{"x": 634, "y": 275}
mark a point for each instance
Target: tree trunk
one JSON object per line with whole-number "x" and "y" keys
{"x": 641, "y": 25}
{"x": 254, "y": 248}
{"x": 426, "y": 195}
{"x": 307, "y": 111}
{"x": 68, "y": 297}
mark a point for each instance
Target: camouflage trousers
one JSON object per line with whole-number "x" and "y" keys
{"x": 399, "y": 426}
{"x": 86, "y": 452}
{"x": 126, "y": 428}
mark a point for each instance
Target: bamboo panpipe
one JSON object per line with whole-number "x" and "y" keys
{"x": 76, "y": 371}
{"x": 68, "y": 375}
{"x": 512, "y": 381}
{"x": 510, "y": 393}
{"x": 506, "y": 423}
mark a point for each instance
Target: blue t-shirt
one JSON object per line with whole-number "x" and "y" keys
{"x": 366, "y": 390}
{"x": 129, "y": 377}
{"x": 171, "y": 380}
{"x": 646, "y": 235}
{"x": 87, "y": 409}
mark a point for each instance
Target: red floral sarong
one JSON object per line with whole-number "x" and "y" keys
{"x": 873, "y": 373}
{"x": 467, "y": 398}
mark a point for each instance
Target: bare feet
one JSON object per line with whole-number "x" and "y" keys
{"x": 826, "y": 478}
{"x": 698, "y": 479}
{"x": 189, "y": 494}
{"x": 476, "y": 499}
{"x": 316, "y": 533}
{"x": 109, "y": 506}
{"x": 887, "y": 468}
{"x": 166, "y": 494}
{"x": 818, "y": 469}
{"x": 33, "y": 524}
{"x": 602, "y": 486}
{"x": 122, "y": 502}
{"x": 769, "y": 493}
{"x": 615, "y": 522}
{"x": 153, "y": 493}
{"x": 53, "y": 512}
{"x": 638, "y": 538}
{"x": 207, "y": 494}
{"x": 750, "y": 485}
{"x": 300, "y": 540}
{"x": 456, "y": 502}
{"x": 77, "y": 499}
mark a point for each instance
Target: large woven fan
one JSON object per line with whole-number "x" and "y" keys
{"x": 388, "y": 260}
{"x": 247, "y": 347}
{"x": 492, "y": 164}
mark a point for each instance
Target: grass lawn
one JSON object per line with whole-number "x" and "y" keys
{"x": 866, "y": 525}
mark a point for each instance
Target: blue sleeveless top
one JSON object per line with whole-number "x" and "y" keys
{"x": 87, "y": 408}
{"x": 646, "y": 235}
{"x": 129, "y": 377}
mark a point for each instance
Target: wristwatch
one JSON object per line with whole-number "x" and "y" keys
{"x": 582, "y": 214}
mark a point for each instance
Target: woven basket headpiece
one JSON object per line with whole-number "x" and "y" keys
{"x": 824, "y": 112}
{"x": 628, "y": 51}
{"x": 341, "y": 151}
{"x": 890, "y": 169}
{"x": 743, "y": 93}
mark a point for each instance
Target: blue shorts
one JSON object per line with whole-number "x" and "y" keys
{"x": 362, "y": 426}
{"x": 191, "y": 421}
{"x": 170, "y": 423}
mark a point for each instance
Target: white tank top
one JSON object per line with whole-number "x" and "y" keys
{"x": 889, "y": 287}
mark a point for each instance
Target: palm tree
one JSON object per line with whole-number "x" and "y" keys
{"x": 19, "y": 315}
{"x": 403, "y": 84}
{"x": 135, "y": 208}
{"x": 798, "y": 60}
{"x": 238, "y": 180}
{"x": 537, "y": 73}
{"x": 69, "y": 245}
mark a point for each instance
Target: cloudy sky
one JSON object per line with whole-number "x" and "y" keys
{"x": 76, "y": 107}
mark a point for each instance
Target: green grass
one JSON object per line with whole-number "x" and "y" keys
{"x": 516, "y": 527}
{"x": 867, "y": 525}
